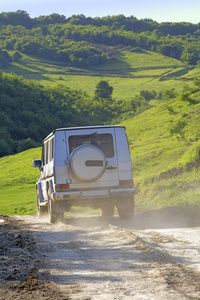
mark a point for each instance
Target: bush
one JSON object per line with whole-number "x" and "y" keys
{"x": 178, "y": 129}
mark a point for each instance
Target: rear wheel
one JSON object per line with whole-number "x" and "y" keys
{"x": 41, "y": 210}
{"x": 53, "y": 216}
{"x": 107, "y": 210}
{"x": 127, "y": 212}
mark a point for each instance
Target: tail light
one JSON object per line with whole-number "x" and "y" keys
{"x": 126, "y": 183}
{"x": 62, "y": 186}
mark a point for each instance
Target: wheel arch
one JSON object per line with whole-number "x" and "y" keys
{"x": 39, "y": 189}
{"x": 49, "y": 185}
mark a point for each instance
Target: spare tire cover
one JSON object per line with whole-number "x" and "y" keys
{"x": 87, "y": 162}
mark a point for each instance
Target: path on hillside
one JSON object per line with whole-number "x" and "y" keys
{"x": 154, "y": 256}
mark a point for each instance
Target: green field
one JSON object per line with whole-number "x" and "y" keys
{"x": 131, "y": 74}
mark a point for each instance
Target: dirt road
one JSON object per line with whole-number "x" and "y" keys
{"x": 154, "y": 256}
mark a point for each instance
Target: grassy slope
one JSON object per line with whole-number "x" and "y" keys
{"x": 153, "y": 150}
{"x": 154, "y": 153}
{"x": 131, "y": 74}
{"x": 18, "y": 177}
{"x": 158, "y": 158}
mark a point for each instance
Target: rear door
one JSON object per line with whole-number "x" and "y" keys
{"x": 92, "y": 158}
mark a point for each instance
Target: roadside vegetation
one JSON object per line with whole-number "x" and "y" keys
{"x": 165, "y": 150}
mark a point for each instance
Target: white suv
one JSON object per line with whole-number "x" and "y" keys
{"x": 85, "y": 166}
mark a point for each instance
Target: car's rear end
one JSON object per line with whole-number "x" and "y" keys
{"x": 92, "y": 167}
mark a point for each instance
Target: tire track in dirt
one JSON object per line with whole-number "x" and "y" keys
{"x": 90, "y": 258}
{"x": 153, "y": 256}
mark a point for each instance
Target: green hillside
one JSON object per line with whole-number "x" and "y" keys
{"x": 133, "y": 72}
{"x": 131, "y": 54}
{"x": 165, "y": 167}
{"x": 51, "y": 68}
{"x": 18, "y": 179}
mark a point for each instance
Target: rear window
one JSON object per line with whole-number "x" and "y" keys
{"x": 103, "y": 141}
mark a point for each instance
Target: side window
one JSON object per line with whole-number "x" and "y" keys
{"x": 51, "y": 149}
{"x": 47, "y": 152}
{"x": 103, "y": 141}
{"x": 43, "y": 154}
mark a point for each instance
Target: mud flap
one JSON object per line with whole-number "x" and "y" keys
{"x": 61, "y": 206}
{"x": 124, "y": 203}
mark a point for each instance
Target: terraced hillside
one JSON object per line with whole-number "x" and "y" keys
{"x": 133, "y": 72}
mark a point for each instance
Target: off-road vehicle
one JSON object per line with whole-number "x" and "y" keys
{"x": 85, "y": 166}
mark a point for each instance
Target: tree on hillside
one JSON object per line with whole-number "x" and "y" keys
{"x": 186, "y": 97}
{"x": 171, "y": 50}
{"x": 5, "y": 58}
{"x": 148, "y": 95}
{"x": 103, "y": 90}
{"x": 169, "y": 94}
{"x": 177, "y": 128}
{"x": 19, "y": 17}
{"x": 197, "y": 82}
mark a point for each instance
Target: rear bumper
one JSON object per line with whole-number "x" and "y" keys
{"x": 94, "y": 194}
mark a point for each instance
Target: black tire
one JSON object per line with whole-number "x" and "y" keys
{"x": 51, "y": 214}
{"x": 53, "y": 217}
{"x": 126, "y": 213}
{"x": 107, "y": 210}
{"x": 41, "y": 210}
